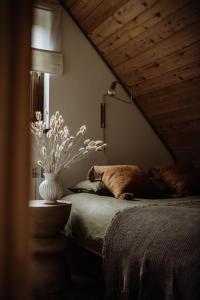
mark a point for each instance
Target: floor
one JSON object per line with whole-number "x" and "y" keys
{"x": 86, "y": 276}
{"x": 84, "y": 280}
{"x": 85, "y": 289}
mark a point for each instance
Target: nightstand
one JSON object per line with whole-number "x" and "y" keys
{"x": 49, "y": 273}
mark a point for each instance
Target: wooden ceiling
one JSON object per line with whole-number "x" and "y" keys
{"x": 154, "y": 46}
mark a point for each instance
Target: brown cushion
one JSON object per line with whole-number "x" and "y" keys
{"x": 183, "y": 179}
{"x": 125, "y": 181}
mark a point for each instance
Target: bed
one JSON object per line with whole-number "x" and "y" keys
{"x": 140, "y": 240}
{"x": 92, "y": 214}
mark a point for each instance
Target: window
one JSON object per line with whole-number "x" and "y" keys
{"x": 47, "y": 57}
{"x": 39, "y": 89}
{"x": 47, "y": 38}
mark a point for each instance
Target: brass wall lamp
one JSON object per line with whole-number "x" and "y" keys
{"x": 113, "y": 93}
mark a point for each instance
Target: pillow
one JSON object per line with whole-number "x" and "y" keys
{"x": 125, "y": 181}
{"x": 159, "y": 182}
{"x": 182, "y": 179}
{"x": 87, "y": 186}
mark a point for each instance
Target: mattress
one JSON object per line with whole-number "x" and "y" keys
{"x": 91, "y": 215}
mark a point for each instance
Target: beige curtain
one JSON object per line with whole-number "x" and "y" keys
{"x": 15, "y": 41}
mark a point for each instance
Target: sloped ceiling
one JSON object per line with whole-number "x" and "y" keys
{"x": 154, "y": 46}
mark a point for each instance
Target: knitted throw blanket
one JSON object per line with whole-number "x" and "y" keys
{"x": 153, "y": 253}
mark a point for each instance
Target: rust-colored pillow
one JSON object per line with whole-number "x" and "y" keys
{"x": 125, "y": 181}
{"x": 183, "y": 179}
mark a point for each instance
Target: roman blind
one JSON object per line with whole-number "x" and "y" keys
{"x": 47, "y": 37}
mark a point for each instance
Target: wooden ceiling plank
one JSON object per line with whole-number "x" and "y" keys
{"x": 186, "y": 147}
{"x": 157, "y": 12}
{"x": 174, "y": 43}
{"x": 178, "y": 139}
{"x": 69, "y": 3}
{"x": 181, "y": 101}
{"x": 172, "y": 127}
{"x": 184, "y": 141}
{"x": 181, "y": 135}
{"x": 83, "y": 8}
{"x": 189, "y": 129}
{"x": 182, "y": 96}
{"x": 191, "y": 157}
{"x": 104, "y": 11}
{"x": 165, "y": 64}
{"x": 171, "y": 91}
{"x": 170, "y": 78}
{"x": 181, "y": 142}
{"x": 177, "y": 118}
{"x": 176, "y": 122}
{"x": 156, "y": 34}
{"x": 193, "y": 154}
{"x": 121, "y": 17}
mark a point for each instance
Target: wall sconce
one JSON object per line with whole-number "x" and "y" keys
{"x": 113, "y": 93}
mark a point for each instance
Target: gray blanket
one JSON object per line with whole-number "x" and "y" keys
{"x": 153, "y": 253}
{"x": 91, "y": 215}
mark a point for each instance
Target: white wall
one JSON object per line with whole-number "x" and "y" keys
{"x": 77, "y": 95}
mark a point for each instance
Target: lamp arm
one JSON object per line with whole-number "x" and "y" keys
{"x": 111, "y": 93}
{"x": 103, "y": 112}
{"x": 121, "y": 99}
{"x": 103, "y": 107}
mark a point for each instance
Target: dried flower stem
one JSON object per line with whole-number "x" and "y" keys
{"x": 56, "y": 148}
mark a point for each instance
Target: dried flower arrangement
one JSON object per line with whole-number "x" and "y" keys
{"x": 56, "y": 148}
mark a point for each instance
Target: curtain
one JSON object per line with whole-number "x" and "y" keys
{"x": 15, "y": 57}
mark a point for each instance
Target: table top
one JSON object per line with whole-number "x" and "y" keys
{"x": 46, "y": 219}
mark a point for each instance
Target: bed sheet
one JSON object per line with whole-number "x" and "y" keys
{"x": 91, "y": 215}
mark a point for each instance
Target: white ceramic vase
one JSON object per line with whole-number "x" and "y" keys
{"x": 50, "y": 189}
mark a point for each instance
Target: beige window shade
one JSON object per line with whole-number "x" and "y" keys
{"x": 47, "y": 38}
{"x": 47, "y": 61}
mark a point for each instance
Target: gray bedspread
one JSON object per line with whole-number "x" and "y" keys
{"x": 153, "y": 253}
{"x": 92, "y": 214}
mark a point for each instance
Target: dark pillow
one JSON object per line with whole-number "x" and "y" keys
{"x": 182, "y": 179}
{"x": 87, "y": 186}
{"x": 125, "y": 181}
{"x": 159, "y": 182}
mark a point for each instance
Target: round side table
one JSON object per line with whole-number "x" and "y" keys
{"x": 49, "y": 273}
